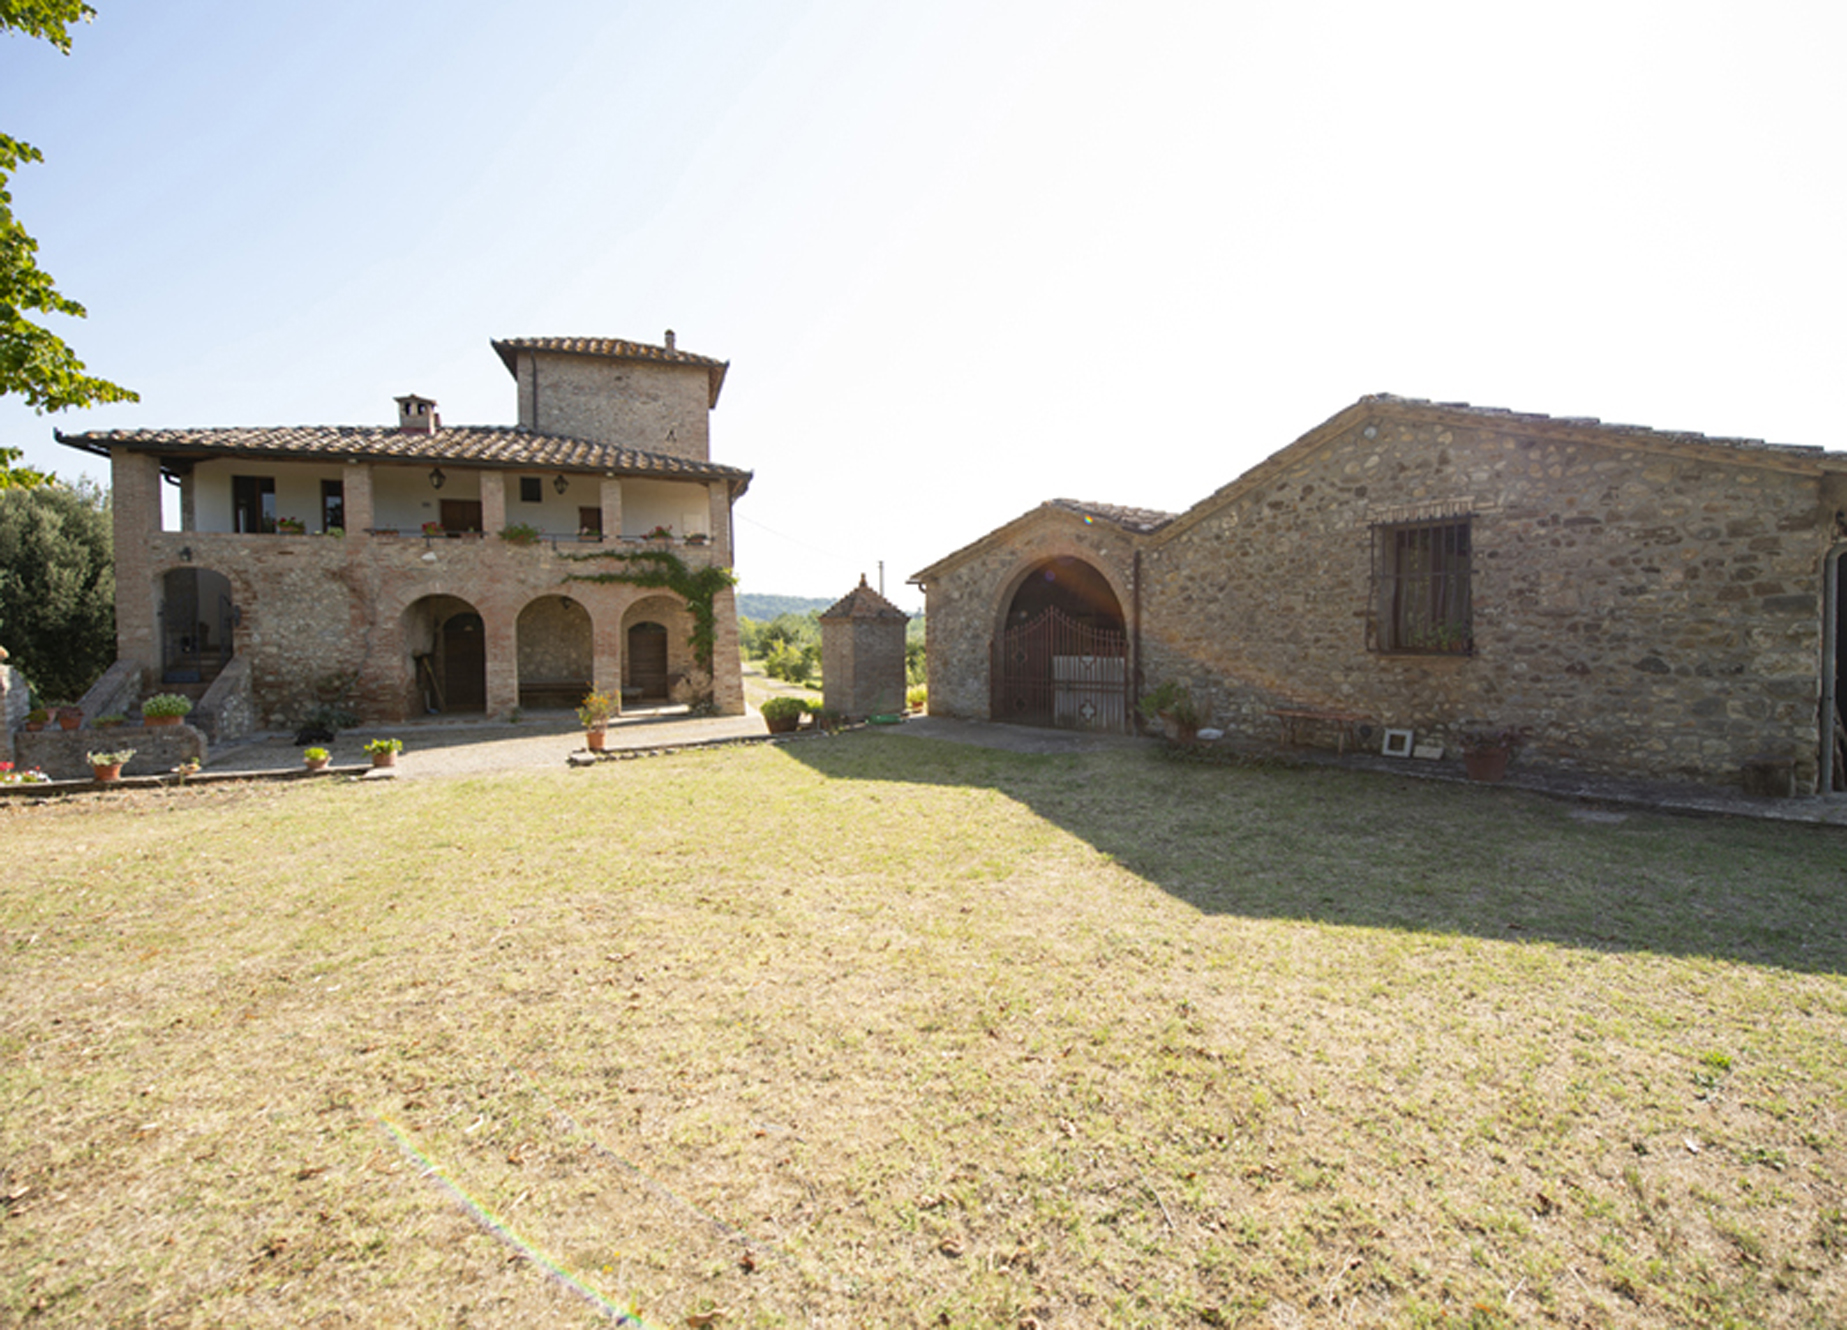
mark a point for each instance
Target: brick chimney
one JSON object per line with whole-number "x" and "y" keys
{"x": 417, "y": 415}
{"x": 670, "y": 339}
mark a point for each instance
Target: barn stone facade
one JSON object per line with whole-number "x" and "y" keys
{"x": 420, "y": 568}
{"x": 862, "y": 654}
{"x": 1645, "y": 603}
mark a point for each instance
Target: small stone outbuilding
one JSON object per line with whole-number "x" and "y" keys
{"x": 1646, "y": 603}
{"x": 862, "y": 655}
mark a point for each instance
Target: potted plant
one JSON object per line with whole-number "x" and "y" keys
{"x": 1485, "y": 752}
{"x": 384, "y": 751}
{"x": 108, "y": 766}
{"x": 69, "y": 717}
{"x": 594, "y": 713}
{"x": 659, "y": 533}
{"x": 316, "y": 759}
{"x": 1172, "y": 704}
{"x": 783, "y": 714}
{"x": 37, "y": 718}
{"x": 520, "y": 533}
{"x": 30, "y": 776}
{"x": 291, "y": 526}
{"x": 432, "y": 528}
{"x": 165, "y": 709}
{"x": 697, "y": 538}
{"x": 917, "y": 697}
{"x": 113, "y": 720}
{"x": 187, "y": 767}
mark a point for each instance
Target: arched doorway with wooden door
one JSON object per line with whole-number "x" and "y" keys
{"x": 655, "y": 652}
{"x": 1061, "y": 655}
{"x": 447, "y": 645}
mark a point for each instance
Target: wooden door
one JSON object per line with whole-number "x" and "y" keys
{"x": 464, "y": 663}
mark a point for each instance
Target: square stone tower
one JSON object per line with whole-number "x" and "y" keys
{"x": 862, "y": 655}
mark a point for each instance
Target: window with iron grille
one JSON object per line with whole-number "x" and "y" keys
{"x": 1420, "y": 588}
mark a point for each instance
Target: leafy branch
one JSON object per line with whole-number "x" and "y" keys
{"x": 663, "y": 569}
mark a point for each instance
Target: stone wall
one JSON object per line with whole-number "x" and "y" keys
{"x": 656, "y": 407}
{"x": 61, "y": 754}
{"x": 1642, "y": 612}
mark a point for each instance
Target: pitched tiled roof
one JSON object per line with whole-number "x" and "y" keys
{"x": 862, "y": 602}
{"x": 1498, "y": 416}
{"x": 613, "y": 348}
{"x": 1139, "y": 520}
{"x": 499, "y": 446}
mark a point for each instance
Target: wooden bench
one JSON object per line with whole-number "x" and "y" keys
{"x": 1293, "y": 718}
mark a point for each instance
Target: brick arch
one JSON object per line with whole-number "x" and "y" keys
{"x": 555, "y": 651}
{"x": 453, "y": 675}
{"x": 650, "y": 664}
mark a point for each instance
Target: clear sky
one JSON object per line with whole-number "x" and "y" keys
{"x": 962, "y": 257}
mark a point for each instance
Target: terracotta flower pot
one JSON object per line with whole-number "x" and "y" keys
{"x": 104, "y": 775}
{"x": 152, "y": 721}
{"x": 70, "y": 719}
{"x": 595, "y": 739}
{"x": 384, "y": 759}
{"x": 316, "y": 763}
{"x": 782, "y": 724}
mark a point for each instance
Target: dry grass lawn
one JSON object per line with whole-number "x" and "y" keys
{"x": 869, "y": 1030}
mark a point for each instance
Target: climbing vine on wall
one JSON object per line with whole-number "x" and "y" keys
{"x": 663, "y": 569}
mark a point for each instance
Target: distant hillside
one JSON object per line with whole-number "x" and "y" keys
{"x": 764, "y": 608}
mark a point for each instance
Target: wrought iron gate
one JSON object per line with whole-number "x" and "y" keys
{"x": 1053, "y": 670}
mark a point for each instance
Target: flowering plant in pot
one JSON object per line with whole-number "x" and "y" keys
{"x": 384, "y": 751}
{"x": 165, "y": 709}
{"x": 782, "y": 714}
{"x": 37, "y": 718}
{"x": 108, "y": 766}
{"x": 594, "y": 713}
{"x": 1485, "y": 752}
{"x": 316, "y": 759}
{"x": 1172, "y": 704}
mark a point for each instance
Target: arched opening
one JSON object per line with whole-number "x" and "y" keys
{"x": 656, "y": 654}
{"x": 1062, "y": 655}
{"x": 556, "y": 657}
{"x": 197, "y": 621}
{"x": 448, "y": 654}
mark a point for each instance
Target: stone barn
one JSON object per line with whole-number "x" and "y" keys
{"x": 1647, "y": 603}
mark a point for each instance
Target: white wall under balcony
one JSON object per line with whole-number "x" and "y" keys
{"x": 647, "y": 504}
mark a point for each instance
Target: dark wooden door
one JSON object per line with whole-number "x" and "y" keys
{"x": 647, "y": 659}
{"x": 464, "y": 663}
{"x": 461, "y": 514}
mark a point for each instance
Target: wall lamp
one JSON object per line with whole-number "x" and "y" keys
{"x": 561, "y": 484}
{"x": 437, "y": 477}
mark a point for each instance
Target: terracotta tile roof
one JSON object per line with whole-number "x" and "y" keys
{"x": 862, "y": 602}
{"x": 1139, "y": 520}
{"x": 499, "y": 446}
{"x": 613, "y": 348}
{"x": 1496, "y": 416}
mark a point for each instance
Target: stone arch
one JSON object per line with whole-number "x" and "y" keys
{"x": 445, "y": 645}
{"x": 198, "y": 618}
{"x": 655, "y": 652}
{"x": 555, "y": 652}
{"x": 1061, "y": 650}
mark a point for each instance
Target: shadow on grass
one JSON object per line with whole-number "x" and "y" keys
{"x": 1370, "y": 851}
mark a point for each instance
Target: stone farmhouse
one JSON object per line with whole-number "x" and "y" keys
{"x": 1645, "y": 603}
{"x": 417, "y": 567}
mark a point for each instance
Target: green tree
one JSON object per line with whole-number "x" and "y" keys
{"x": 14, "y": 476}
{"x": 57, "y": 586}
{"x": 34, "y": 362}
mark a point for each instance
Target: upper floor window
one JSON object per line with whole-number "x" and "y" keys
{"x": 253, "y": 503}
{"x": 1420, "y": 588}
{"x": 333, "y": 505}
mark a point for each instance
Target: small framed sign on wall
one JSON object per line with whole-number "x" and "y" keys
{"x": 1398, "y": 743}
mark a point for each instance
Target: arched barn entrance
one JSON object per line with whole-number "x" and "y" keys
{"x": 1062, "y": 656}
{"x": 448, "y": 650}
